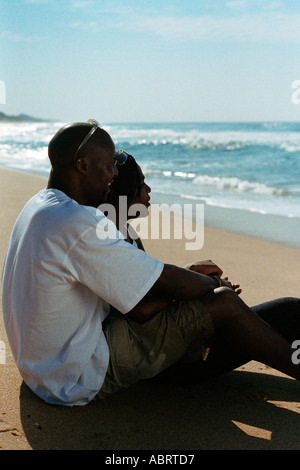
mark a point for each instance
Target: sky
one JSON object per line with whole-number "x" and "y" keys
{"x": 150, "y": 60}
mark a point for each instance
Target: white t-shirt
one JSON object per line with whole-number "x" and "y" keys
{"x": 63, "y": 270}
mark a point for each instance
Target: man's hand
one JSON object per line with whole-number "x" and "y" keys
{"x": 206, "y": 267}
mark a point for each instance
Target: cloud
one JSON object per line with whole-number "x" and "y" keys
{"x": 255, "y": 5}
{"x": 14, "y": 37}
{"x": 263, "y": 28}
{"x": 37, "y": 2}
{"x": 236, "y": 4}
{"x": 82, "y": 4}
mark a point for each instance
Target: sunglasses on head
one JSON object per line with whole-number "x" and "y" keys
{"x": 120, "y": 156}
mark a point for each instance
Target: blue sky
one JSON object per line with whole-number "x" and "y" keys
{"x": 150, "y": 60}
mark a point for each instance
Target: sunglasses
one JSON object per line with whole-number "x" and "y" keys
{"x": 120, "y": 156}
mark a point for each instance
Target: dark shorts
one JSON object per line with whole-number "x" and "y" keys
{"x": 183, "y": 330}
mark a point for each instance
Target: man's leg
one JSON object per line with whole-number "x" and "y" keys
{"x": 175, "y": 339}
{"x": 243, "y": 334}
{"x": 239, "y": 340}
{"x": 142, "y": 351}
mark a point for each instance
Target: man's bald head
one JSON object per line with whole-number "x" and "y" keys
{"x": 63, "y": 146}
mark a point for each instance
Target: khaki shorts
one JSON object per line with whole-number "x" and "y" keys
{"x": 181, "y": 331}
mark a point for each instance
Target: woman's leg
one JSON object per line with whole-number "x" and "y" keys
{"x": 282, "y": 317}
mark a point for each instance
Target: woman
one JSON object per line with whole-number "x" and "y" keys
{"x": 283, "y": 314}
{"x": 129, "y": 183}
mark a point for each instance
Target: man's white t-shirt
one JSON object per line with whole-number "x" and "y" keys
{"x": 63, "y": 270}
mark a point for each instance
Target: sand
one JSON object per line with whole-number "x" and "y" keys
{"x": 251, "y": 408}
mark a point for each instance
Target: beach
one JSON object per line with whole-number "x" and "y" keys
{"x": 251, "y": 408}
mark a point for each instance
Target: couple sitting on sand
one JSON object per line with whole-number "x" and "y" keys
{"x": 87, "y": 315}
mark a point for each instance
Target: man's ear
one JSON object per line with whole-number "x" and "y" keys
{"x": 81, "y": 165}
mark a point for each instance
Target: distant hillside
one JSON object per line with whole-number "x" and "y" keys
{"x": 20, "y": 118}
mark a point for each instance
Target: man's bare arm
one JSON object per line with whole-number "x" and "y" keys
{"x": 173, "y": 284}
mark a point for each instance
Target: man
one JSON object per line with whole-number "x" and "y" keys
{"x": 61, "y": 276}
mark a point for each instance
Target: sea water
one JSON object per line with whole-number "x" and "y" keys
{"x": 247, "y": 175}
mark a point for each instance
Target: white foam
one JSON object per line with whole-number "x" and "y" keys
{"x": 236, "y": 184}
{"x": 207, "y": 140}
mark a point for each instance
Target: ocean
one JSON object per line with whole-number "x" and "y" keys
{"x": 247, "y": 175}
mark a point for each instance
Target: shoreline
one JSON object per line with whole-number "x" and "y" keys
{"x": 274, "y": 228}
{"x": 251, "y": 408}
{"x": 230, "y": 250}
